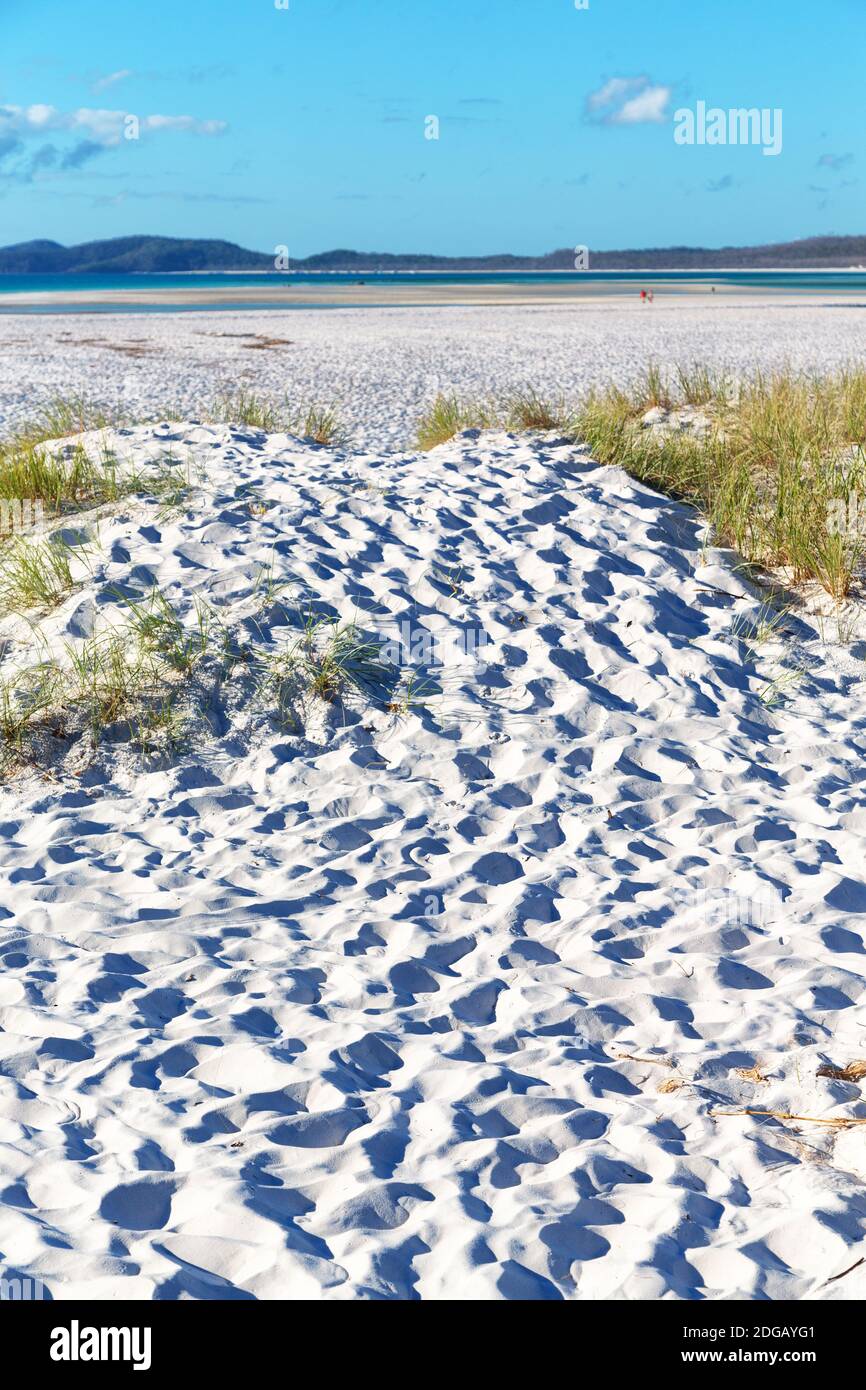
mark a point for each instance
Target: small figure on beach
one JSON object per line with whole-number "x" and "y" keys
{"x": 643, "y": 296}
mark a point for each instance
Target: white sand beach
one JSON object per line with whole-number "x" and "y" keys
{"x": 432, "y": 677}
{"x": 457, "y": 998}
{"x": 383, "y": 366}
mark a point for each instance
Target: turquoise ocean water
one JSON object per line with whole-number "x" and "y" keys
{"x": 619, "y": 282}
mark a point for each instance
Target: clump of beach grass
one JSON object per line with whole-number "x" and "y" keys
{"x": 698, "y": 385}
{"x": 37, "y": 574}
{"x": 522, "y": 409}
{"x": 25, "y": 698}
{"x": 772, "y": 462}
{"x": 448, "y": 416}
{"x": 319, "y": 423}
{"x": 105, "y": 677}
{"x": 160, "y": 631}
{"x": 526, "y": 409}
{"x": 779, "y": 459}
{"x": 63, "y": 416}
{"x": 246, "y": 408}
{"x": 30, "y": 472}
{"x": 111, "y": 681}
{"x": 654, "y": 389}
{"x": 767, "y": 625}
{"x": 72, "y": 478}
{"x": 328, "y": 660}
{"x": 127, "y": 678}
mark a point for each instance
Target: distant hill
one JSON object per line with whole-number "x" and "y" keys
{"x": 153, "y": 253}
{"x": 812, "y": 253}
{"x": 128, "y": 254}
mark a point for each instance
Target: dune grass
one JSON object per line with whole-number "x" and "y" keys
{"x": 523, "y": 409}
{"x": 133, "y": 679}
{"x": 527, "y": 410}
{"x": 655, "y": 390}
{"x": 30, "y": 472}
{"x": 35, "y": 575}
{"x": 75, "y": 479}
{"x": 327, "y": 661}
{"x": 62, "y": 416}
{"x": 112, "y": 681}
{"x": 105, "y": 677}
{"x": 62, "y": 484}
{"x": 25, "y": 699}
{"x": 449, "y": 416}
{"x": 160, "y": 631}
{"x": 246, "y": 408}
{"x": 319, "y": 423}
{"x": 779, "y": 469}
{"x": 777, "y": 464}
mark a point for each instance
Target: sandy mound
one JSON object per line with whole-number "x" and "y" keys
{"x": 433, "y": 988}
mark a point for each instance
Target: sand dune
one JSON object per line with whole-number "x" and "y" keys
{"x": 441, "y": 1001}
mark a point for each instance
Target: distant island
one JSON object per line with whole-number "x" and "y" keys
{"x": 139, "y": 254}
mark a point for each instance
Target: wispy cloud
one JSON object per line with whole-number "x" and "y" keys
{"x": 103, "y": 126}
{"x": 92, "y": 130}
{"x": 177, "y": 196}
{"x": 629, "y": 101}
{"x": 835, "y": 161}
{"x": 110, "y": 79}
{"x": 614, "y": 91}
{"x": 81, "y": 153}
{"x": 368, "y": 197}
{"x": 184, "y": 123}
{"x": 472, "y": 120}
{"x": 19, "y": 164}
{"x": 213, "y": 72}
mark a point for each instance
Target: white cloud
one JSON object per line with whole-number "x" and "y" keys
{"x": 629, "y": 101}
{"x": 648, "y": 106}
{"x": 37, "y": 117}
{"x": 184, "y": 123}
{"x": 104, "y": 127}
{"x": 109, "y": 80}
{"x": 613, "y": 91}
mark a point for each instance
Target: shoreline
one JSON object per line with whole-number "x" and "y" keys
{"x": 512, "y": 270}
{"x": 592, "y": 294}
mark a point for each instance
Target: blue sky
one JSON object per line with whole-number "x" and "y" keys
{"x": 305, "y": 126}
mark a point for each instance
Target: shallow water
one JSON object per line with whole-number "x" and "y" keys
{"x": 624, "y": 283}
